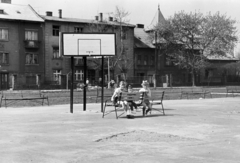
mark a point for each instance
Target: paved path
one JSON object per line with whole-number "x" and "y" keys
{"x": 193, "y": 131}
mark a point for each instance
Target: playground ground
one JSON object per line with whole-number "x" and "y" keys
{"x": 192, "y": 131}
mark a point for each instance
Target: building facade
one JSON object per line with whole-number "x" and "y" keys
{"x": 58, "y": 68}
{"x": 29, "y": 47}
{"x": 21, "y": 46}
{"x": 152, "y": 62}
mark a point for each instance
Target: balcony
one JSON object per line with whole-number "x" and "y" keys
{"x": 32, "y": 44}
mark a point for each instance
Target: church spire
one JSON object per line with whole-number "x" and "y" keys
{"x": 159, "y": 12}
{"x": 157, "y": 20}
{"x": 161, "y": 19}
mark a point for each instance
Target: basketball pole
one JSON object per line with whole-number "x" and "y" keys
{"x": 85, "y": 86}
{"x": 102, "y": 84}
{"x": 72, "y": 83}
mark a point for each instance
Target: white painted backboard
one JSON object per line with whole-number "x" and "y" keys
{"x": 88, "y": 44}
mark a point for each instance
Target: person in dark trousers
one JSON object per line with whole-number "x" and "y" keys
{"x": 132, "y": 104}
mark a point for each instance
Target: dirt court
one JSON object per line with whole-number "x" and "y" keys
{"x": 192, "y": 131}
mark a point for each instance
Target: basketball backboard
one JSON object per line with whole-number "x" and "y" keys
{"x": 88, "y": 44}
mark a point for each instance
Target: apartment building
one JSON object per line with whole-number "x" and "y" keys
{"x": 58, "y": 68}
{"x": 29, "y": 47}
{"x": 21, "y": 46}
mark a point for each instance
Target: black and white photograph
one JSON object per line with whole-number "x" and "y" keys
{"x": 119, "y": 81}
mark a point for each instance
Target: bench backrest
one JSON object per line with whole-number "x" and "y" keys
{"x": 233, "y": 87}
{"x": 193, "y": 89}
{"x": 22, "y": 93}
{"x": 106, "y": 91}
{"x": 135, "y": 96}
{"x": 158, "y": 95}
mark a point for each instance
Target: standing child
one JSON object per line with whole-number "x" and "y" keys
{"x": 147, "y": 94}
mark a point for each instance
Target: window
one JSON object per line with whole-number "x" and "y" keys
{"x": 139, "y": 59}
{"x": 124, "y": 35}
{"x": 78, "y": 29}
{"x": 208, "y": 73}
{"x": 78, "y": 61}
{"x": 3, "y": 34}
{"x": 55, "y": 30}
{"x": 57, "y": 76}
{"x": 145, "y": 62}
{"x": 169, "y": 61}
{"x": 79, "y": 75}
{"x": 31, "y": 58}
{"x": 31, "y": 35}
{"x": 56, "y": 52}
{"x": 4, "y": 58}
{"x": 152, "y": 60}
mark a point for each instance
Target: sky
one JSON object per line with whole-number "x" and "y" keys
{"x": 140, "y": 11}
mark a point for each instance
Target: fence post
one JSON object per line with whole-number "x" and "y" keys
{"x": 154, "y": 81}
{"x": 170, "y": 76}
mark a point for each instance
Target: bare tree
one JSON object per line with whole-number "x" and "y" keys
{"x": 122, "y": 60}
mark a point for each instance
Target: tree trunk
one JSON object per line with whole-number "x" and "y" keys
{"x": 124, "y": 76}
{"x": 193, "y": 79}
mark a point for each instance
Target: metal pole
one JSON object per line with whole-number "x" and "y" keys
{"x": 102, "y": 84}
{"x": 72, "y": 82}
{"x": 85, "y": 87}
{"x": 156, "y": 61}
{"x": 67, "y": 82}
{"x": 108, "y": 74}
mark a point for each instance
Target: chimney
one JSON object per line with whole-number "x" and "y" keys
{"x": 96, "y": 18}
{"x": 6, "y": 1}
{"x": 48, "y": 13}
{"x": 140, "y": 25}
{"x": 110, "y": 19}
{"x": 100, "y": 17}
{"x": 60, "y": 13}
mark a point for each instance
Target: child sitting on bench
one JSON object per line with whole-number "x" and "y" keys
{"x": 131, "y": 103}
{"x": 115, "y": 98}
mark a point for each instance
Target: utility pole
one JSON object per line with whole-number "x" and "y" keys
{"x": 156, "y": 60}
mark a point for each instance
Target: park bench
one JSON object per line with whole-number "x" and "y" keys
{"x": 116, "y": 105}
{"x": 195, "y": 91}
{"x": 157, "y": 99}
{"x": 11, "y": 97}
{"x": 234, "y": 90}
{"x": 107, "y": 93}
{"x": 138, "y": 99}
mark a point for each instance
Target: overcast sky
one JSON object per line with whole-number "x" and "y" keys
{"x": 141, "y": 11}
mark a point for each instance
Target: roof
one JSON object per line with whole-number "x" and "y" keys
{"x": 77, "y": 20}
{"x": 19, "y": 12}
{"x": 157, "y": 20}
{"x": 142, "y": 39}
{"x": 227, "y": 57}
